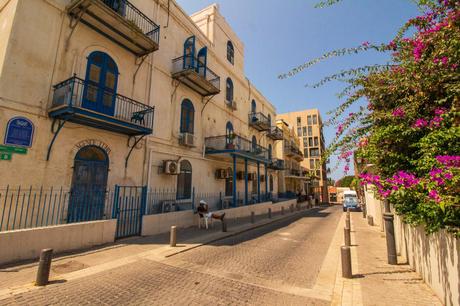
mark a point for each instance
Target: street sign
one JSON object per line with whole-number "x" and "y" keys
{"x": 12, "y": 149}
{"x": 5, "y": 155}
{"x": 19, "y": 132}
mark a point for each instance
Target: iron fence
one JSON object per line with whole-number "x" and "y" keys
{"x": 236, "y": 143}
{"x": 31, "y": 207}
{"x": 191, "y": 63}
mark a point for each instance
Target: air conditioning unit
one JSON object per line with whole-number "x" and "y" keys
{"x": 221, "y": 174}
{"x": 231, "y": 104}
{"x": 187, "y": 139}
{"x": 171, "y": 167}
{"x": 168, "y": 206}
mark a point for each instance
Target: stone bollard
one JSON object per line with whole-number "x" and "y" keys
{"x": 347, "y": 222}
{"x": 224, "y": 226}
{"x": 370, "y": 220}
{"x": 390, "y": 237}
{"x": 173, "y": 236}
{"x": 346, "y": 262}
{"x": 253, "y": 217}
{"x": 282, "y": 210}
{"x": 291, "y": 208}
{"x": 269, "y": 213}
{"x": 44, "y": 266}
{"x": 347, "y": 237}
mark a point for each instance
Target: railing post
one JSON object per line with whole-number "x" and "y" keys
{"x": 115, "y": 202}
{"x": 193, "y": 199}
{"x": 253, "y": 217}
{"x": 269, "y": 213}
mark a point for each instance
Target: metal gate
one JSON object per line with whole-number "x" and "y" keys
{"x": 129, "y": 207}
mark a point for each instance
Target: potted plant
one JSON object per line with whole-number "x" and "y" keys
{"x": 230, "y": 141}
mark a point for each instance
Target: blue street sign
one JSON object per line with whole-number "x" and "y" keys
{"x": 19, "y": 132}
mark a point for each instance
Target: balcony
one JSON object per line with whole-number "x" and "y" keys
{"x": 196, "y": 75}
{"x": 119, "y": 21}
{"x": 293, "y": 173}
{"x": 277, "y": 164}
{"x": 113, "y": 112}
{"x": 288, "y": 150}
{"x": 297, "y": 154}
{"x": 275, "y": 133}
{"x": 259, "y": 121}
{"x": 236, "y": 145}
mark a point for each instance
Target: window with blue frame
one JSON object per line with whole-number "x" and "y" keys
{"x": 100, "y": 83}
{"x": 229, "y": 90}
{"x": 184, "y": 181}
{"x": 187, "y": 117}
{"x": 253, "y": 106}
{"x": 229, "y": 134}
{"x": 230, "y": 52}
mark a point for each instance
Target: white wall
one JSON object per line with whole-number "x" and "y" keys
{"x": 26, "y": 244}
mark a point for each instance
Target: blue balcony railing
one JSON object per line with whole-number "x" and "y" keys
{"x": 237, "y": 145}
{"x": 113, "y": 112}
{"x": 259, "y": 121}
{"x": 194, "y": 74}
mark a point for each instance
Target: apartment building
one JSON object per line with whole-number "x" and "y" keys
{"x": 309, "y": 129}
{"x": 131, "y": 93}
{"x": 291, "y": 180}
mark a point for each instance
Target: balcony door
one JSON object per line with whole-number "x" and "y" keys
{"x": 100, "y": 84}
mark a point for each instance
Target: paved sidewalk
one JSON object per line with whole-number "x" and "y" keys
{"x": 20, "y": 278}
{"x": 374, "y": 281}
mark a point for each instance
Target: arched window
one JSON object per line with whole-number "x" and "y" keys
{"x": 100, "y": 83}
{"x": 184, "y": 181}
{"x": 253, "y": 106}
{"x": 230, "y": 52}
{"x": 229, "y": 90}
{"x": 229, "y": 133}
{"x": 254, "y": 143}
{"x": 187, "y": 117}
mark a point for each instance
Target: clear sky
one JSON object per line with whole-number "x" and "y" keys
{"x": 279, "y": 35}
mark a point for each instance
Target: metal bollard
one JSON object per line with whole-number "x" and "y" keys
{"x": 346, "y": 262}
{"x": 370, "y": 220}
{"x": 390, "y": 237}
{"x": 173, "y": 236}
{"x": 291, "y": 208}
{"x": 347, "y": 222}
{"x": 269, "y": 213}
{"x": 347, "y": 237}
{"x": 44, "y": 266}
{"x": 253, "y": 217}
{"x": 224, "y": 226}
{"x": 282, "y": 210}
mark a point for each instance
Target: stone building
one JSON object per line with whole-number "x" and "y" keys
{"x": 137, "y": 93}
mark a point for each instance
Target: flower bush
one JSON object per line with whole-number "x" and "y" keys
{"x": 409, "y": 129}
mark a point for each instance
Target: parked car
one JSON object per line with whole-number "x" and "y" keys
{"x": 350, "y": 200}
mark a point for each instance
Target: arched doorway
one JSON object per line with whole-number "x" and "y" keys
{"x": 89, "y": 183}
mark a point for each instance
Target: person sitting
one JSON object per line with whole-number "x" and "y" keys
{"x": 203, "y": 211}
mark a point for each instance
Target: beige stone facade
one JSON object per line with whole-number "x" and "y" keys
{"x": 309, "y": 128}
{"x": 47, "y": 42}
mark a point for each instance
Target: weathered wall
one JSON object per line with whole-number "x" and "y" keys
{"x": 26, "y": 244}
{"x": 435, "y": 257}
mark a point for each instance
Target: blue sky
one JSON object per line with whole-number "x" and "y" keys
{"x": 279, "y": 35}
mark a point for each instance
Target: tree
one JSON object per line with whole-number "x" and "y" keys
{"x": 345, "y": 181}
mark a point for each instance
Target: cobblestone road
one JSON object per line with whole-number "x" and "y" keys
{"x": 248, "y": 269}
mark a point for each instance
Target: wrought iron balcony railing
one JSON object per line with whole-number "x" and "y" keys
{"x": 236, "y": 144}
{"x": 275, "y": 133}
{"x": 120, "y": 21}
{"x": 194, "y": 74}
{"x": 71, "y": 101}
{"x": 259, "y": 121}
{"x": 277, "y": 164}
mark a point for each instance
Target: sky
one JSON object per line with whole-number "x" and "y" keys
{"x": 280, "y": 35}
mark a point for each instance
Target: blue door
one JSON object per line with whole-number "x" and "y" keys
{"x": 89, "y": 183}
{"x": 100, "y": 84}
